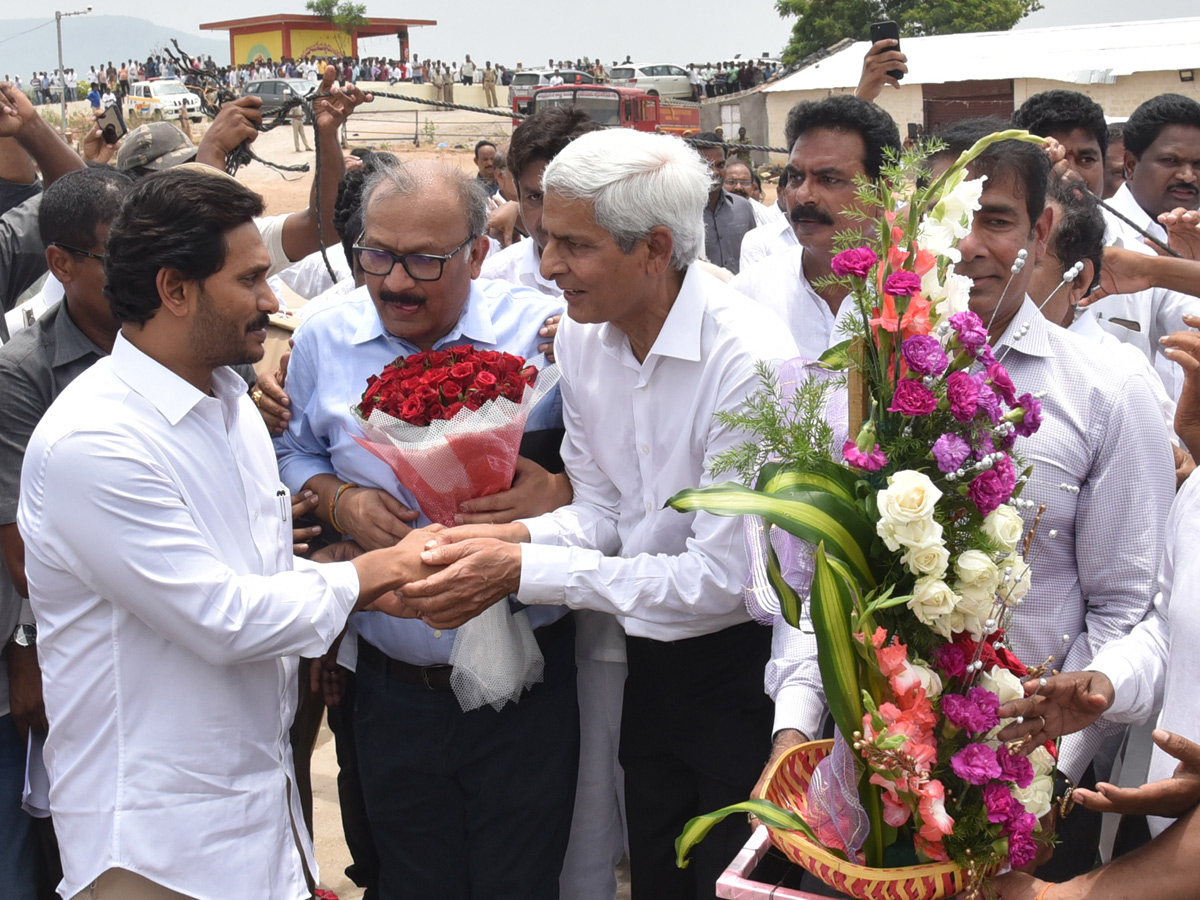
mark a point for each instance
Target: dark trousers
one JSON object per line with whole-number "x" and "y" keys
{"x": 477, "y": 805}
{"x": 695, "y": 734}
{"x": 364, "y": 866}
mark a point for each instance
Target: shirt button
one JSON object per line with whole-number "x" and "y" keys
{"x": 646, "y": 449}
{"x": 649, "y": 507}
{"x": 437, "y": 634}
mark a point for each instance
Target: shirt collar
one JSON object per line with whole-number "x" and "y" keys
{"x": 1028, "y": 333}
{"x": 680, "y": 333}
{"x": 70, "y": 343}
{"x": 1086, "y": 324}
{"x": 531, "y": 263}
{"x": 474, "y": 323}
{"x": 1124, "y": 202}
{"x": 171, "y": 395}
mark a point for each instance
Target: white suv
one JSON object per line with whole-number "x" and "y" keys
{"x": 660, "y": 79}
{"x": 161, "y": 100}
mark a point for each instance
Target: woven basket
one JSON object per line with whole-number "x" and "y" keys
{"x": 787, "y": 786}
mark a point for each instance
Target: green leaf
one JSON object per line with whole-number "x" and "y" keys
{"x": 815, "y": 516}
{"x": 768, "y": 813}
{"x": 777, "y": 478}
{"x": 789, "y": 601}
{"x": 836, "y": 357}
{"x": 831, "y": 610}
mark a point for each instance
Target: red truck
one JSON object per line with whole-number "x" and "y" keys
{"x": 621, "y": 107}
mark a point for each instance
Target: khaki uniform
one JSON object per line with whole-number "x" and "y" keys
{"x": 489, "y": 87}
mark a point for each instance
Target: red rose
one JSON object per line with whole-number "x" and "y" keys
{"x": 473, "y": 401}
{"x": 451, "y": 389}
{"x": 434, "y": 377}
{"x": 435, "y": 411}
{"x": 454, "y": 409}
{"x": 462, "y": 371}
{"x": 410, "y": 384}
{"x": 411, "y": 408}
{"x": 485, "y": 380}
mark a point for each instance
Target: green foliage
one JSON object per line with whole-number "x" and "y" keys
{"x": 343, "y": 15}
{"x": 822, "y": 23}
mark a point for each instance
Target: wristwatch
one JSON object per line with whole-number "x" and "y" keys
{"x": 25, "y": 635}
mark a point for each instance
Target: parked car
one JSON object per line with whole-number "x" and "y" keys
{"x": 525, "y": 81}
{"x": 277, "y": 91}
{"x": 161, "y": 99}
{"x": 656, "y": 79}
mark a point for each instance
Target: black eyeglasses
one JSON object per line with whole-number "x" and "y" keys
{"x": 89, "y": 254}
{"x": 419, "y": 266}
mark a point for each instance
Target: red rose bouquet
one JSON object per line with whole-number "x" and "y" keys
{"x": 449, "y": 424}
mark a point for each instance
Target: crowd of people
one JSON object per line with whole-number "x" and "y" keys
{"x": 201, "y": 561}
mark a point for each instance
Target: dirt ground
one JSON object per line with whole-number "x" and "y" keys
{"x": 288, "y": 192}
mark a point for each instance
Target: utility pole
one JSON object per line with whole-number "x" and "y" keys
{"x": 62, "y": 72}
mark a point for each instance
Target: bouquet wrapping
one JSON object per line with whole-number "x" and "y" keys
{"x": 449, "y": 423}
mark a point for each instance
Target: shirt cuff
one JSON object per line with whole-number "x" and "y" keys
{"x": 341, "y": 578}
{"x": 1120, "y": 671}
{"x": 296, "y": 470}
{"x": 543, "y": 574}
{"x": 542, "y": 530}
{"x": 798, "y": 707}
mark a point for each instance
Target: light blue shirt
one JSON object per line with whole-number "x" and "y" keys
{"x": 337, "y": 350}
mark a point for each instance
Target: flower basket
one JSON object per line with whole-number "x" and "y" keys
{"x": 787, "y": 787}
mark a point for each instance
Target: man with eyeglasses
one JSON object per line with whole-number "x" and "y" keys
{"x": 461, "y": 804}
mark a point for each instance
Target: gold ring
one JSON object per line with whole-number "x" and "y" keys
{"x": 256, "y": 396}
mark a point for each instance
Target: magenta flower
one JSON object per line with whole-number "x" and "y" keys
{"x": 856, "y": 262}
{"x": 924, "y": 355}
{"x": 912, "y": 399}
{"x": 1022, "y": 849}
{"x": 963, "y": 393}
{"x": 991, "y": 489}
{"x": 999, "y": 802}
{"x": 950, "y": 451}
{"x": 989, "y": 403}
{"x": 1001, "y": 383}
{"x": 1031, "y": 421}
{"x": 977, "y": 711}
{"x": 1017, "y": 769}
{"x": 902, "y": 283}
{"x": 985, "y": 355}
{"x": 952, "y": 660}
{"x": 871, "y": 462}
{"x": 975, "y": 764}
{"x": 969, "y": 329}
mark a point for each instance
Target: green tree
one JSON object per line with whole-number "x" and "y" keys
{"x": 822, "y": 23}
{"x": 343, "y": 16}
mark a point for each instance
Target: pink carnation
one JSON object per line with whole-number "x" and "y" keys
{"x": 913, "y": 399}
{"x": 975, "y": 712}
{"x": 991, "y": 489}
{"x": 999, "y": 802}
{"x": 962, "y": 391}
{"x": 975, "y": 764}
{"x": 856, "y": 262}
{"x": 1015, "y": 768}
{"x": 869, "y": 462}
{"x": 1001, "y": 383}
{"x": 902, "y": 283}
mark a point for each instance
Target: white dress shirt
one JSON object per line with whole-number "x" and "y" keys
{"x": 778, "y": 283}
{"x": 309, "y": 277}
{"x": 170, "y": 610}
{"x": 1091, "y": 584}
{"x": 761, "y": 242}
{"x": 1155, "y": 666}
{"x": 1143, "y": 318}
{"x": 637, "y": 433}
{"x": 520, "y": 263}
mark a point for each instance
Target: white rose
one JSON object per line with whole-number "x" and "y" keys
{"x": 1043, "y": 762}
{"x": 1037, "y": 797}
{"x": 1003, "y": 683}
{"x": 1005, "y": 526}
{"x": 930, "y": 559}
{"x": 974, "y": 608}
{"x": 930, "y": 680}
{"x": 933, "y": 602}
{"x": 922, "y": 533}
{"x": 909, "y": 497}
{"x": 975, "y": 569}
{"x": 1017, "y": 585}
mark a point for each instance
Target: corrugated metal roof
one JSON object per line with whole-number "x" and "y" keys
{"x": 1077, "y": 54}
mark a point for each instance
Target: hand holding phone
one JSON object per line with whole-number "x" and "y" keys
{"x": 884, "y": 63}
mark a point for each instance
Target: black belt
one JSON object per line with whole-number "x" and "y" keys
{"x": 434, "y": 678}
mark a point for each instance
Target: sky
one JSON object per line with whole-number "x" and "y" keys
{"x": 651, "y": 32}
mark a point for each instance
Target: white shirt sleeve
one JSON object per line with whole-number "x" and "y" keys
{"x": 271, "y": 229}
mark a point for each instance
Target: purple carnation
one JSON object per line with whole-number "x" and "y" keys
{"x": 912, "y": 399}
{"x": 856, "y": 262}
{"x": 985, "y": 356}
{"x": 991, "y": 489}
{"x": 924, "y": 355}
{"x": 902, "y": 283}
{"x": 969, "y": 328}
{"x": 989, "y": 403}
{"x": 871, "y": 462}
{"x": 1022, "y": 850}
{"x": 975, "y": 764}
{"x": 950, "y": 451}
{"x": 963, "y": 393}
{"x": 1001, "y": 383}
{"x": 999, "y": 802}
{"x": 952, "y": 660}
{"x": 1017, "y": 769}
{"x": 1032, "y": 420}
{"x": 978, "y": 711}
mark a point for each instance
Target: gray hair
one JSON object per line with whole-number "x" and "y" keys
{"x": 410, "y": 178}
{"x": 636, "y": 182}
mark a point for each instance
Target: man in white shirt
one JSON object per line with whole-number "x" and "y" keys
{"x": 653, "y": 349}
{"x": 1162, "y": 166}
{"x": 832, "y": 142}
{"x": 159, "y": 563}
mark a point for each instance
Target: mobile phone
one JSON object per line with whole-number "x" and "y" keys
{"x": 914, "y": 132}
{"x": 111, "y": 126}
{"x": 885, "y": 31}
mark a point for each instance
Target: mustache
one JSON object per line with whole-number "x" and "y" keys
{"x": 259, "y": 324}
{"x": 1180, "y": 186}
{"x": 406, "y": 298}
{"x": 811, "y": 214}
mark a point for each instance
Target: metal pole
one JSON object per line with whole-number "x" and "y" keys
{"x": 62, "y": 78}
